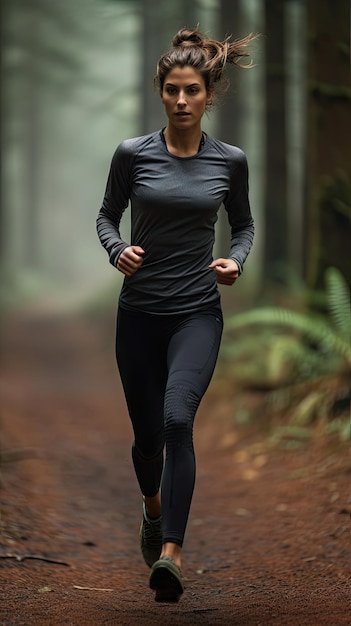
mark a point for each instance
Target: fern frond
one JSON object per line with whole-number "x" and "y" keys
{"x": 315, "y": 329}
{"x": 338, "y": 296}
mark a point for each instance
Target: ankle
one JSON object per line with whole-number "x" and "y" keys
{"x": 153, "y": 507}
{"x": 173, "y": 551}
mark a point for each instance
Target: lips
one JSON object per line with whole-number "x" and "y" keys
{"x": 182, "y": 114}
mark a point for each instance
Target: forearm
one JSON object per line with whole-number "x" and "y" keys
{"x": 109, "y": 235}
{"x": 241, "y": 243}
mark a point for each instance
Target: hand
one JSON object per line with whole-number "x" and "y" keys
{"x": 130, "y": 260}
{"x": 227, "y": 271}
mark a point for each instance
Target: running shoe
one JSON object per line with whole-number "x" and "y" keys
{"x": 166, "y": 580}
{"x": 150, "y": 537}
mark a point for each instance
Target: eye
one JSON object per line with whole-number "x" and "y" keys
{"x": 193, "y": 91}
{"x": 171, "y": 91}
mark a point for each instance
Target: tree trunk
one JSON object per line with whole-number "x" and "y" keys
{"x": 228, "y": 126}
{"x": 229, "y": 108}
{"x": 155, "y": 41}
{"x": 2, "y": 146}
{"x": 329, "y": 130}
{"x": 276, "y": 239}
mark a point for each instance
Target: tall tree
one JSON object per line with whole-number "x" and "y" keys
{"x": 34, "y": 61}
{"x": 276, "y": 240}
{"x": 156, "y": 34}
{"x": 69, "y": 87}
{"x": 228, "y": 125}
{"x": 2, "y": 199}
{"x": 329, "y": 131}
{"x": 296, "y": 98}
{"x": 229, "y": 111}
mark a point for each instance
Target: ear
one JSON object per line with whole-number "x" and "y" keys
{"x": 161, "y": 95}
{"x": 209, "y": 98}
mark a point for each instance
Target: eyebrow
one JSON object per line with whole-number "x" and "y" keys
{"x": 191, "y": 85}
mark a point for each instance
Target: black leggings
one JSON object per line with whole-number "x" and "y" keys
{"x": 166, "y": 363}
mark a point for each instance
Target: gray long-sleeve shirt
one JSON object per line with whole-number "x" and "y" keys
{"x": 174, "y": 207}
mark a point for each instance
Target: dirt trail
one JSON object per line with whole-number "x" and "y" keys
{"x": 268, "y": 540}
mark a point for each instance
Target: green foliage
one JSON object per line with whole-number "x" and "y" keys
{"x": 267, "y": 359}
{"x": 340, "y": 425}
{"x": 335, "y": 194}
{"x": 330, "y": 335}
{"x": 331, "y": 92}
{"x": 339, "y": 303}
{"x": 299, "y": 360}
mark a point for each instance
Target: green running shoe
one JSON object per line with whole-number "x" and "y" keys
{"x": 166, "y": 580}
{"x": 150, "y": 537}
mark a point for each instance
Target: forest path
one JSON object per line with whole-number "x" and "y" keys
{"x": 268, "y": 540}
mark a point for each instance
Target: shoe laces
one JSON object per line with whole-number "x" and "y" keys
{"x": 152, "y": 530}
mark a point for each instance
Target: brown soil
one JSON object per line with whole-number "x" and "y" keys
{"x": 268, "y": 540}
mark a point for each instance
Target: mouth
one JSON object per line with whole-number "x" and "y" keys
{"x": 182, "y": 114}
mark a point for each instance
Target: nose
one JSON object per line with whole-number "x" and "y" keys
{"x": 181, "y": 98}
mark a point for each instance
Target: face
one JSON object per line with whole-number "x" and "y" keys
{"x": 184, "y": 97}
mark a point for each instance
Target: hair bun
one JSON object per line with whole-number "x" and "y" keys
{"x": 208, "y": 56}
{"x": 187, "y": 37}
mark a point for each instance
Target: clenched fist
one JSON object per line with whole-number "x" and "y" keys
{"x": 130, "y": 260}
{"x": 227, "y": 271}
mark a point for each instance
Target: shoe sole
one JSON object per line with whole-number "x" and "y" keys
{"x": 166, "y": 582}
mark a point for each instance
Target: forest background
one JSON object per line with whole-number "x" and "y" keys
{"x": 77, "y": 79}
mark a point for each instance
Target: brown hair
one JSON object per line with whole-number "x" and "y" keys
{"x": 208, "y": 56}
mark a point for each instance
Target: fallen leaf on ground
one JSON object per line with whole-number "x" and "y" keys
{"x": 260, "y": 461}
{"x": 242, "y": 456}
{"x": 249, "y": 474}
{"x": 90, "y": 588}
{"x": 228, "y": 441}
{"x": 242, "y": 512}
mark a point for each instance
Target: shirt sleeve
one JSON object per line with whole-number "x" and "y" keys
{"x": 238, "y": 208}
{"x": 115, "y": 201}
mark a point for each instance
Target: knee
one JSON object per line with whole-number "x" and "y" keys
{"x": 181, "y": 404}
{"x": 145, "y": 454}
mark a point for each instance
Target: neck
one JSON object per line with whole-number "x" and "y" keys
{"x": 186, "y": 143}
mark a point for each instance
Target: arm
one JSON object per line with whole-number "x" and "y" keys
{"x": 241, "y": 222}
{"x": 116, "y": 199}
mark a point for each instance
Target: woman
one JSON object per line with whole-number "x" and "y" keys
{"x": 169, "y": 321}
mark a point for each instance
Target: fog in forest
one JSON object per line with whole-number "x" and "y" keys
{"x": 77, "y": 78}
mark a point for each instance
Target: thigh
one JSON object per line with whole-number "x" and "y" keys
{"x": 141, "y": 358}
{"x": 193, "y": 351}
